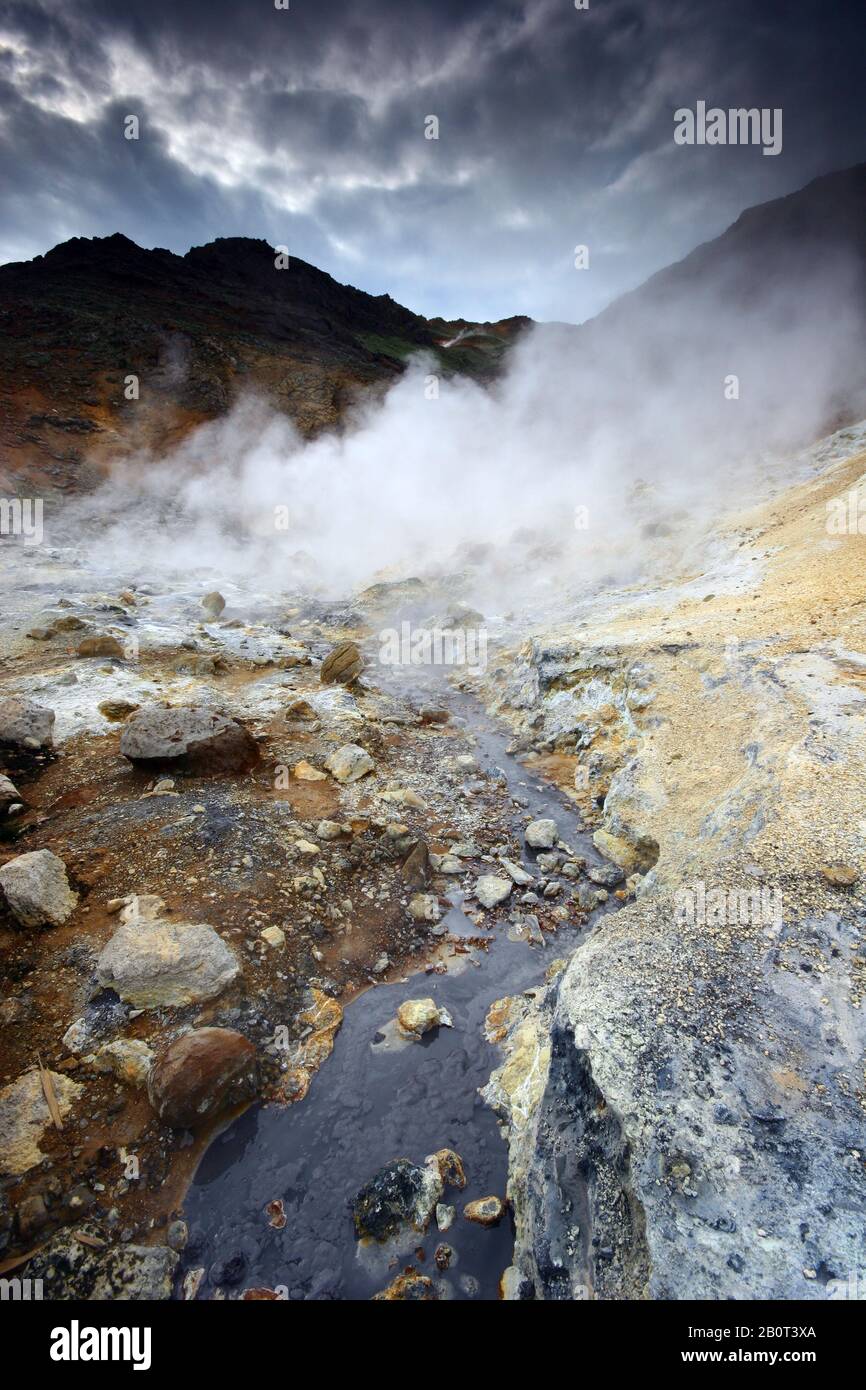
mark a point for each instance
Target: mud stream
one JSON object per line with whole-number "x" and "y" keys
{"x": 373, "y": 1101}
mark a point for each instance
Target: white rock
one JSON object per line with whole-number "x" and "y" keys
{"x": 541, "y": 834}
{"x": 349, "y": 763}
{"x": 445, "y": 1216}
{"x": 517, "y": 872}
{"x": 37, "y": 889}
{"x": 490, "y": 890}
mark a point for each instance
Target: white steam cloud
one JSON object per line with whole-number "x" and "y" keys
{"x": 603, "y": 450}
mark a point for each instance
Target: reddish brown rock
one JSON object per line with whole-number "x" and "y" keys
{"x": 200, "y": 1074}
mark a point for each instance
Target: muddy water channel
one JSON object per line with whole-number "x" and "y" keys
{"x": 374, "y": 1100}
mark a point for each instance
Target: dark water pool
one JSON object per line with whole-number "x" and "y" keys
{"x": 371, "y": 1103}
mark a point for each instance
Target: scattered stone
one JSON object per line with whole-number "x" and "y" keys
{"x": 195, "y": 738}
{"x": 24, "y": 724}
{"x": 409, "y": 1287}
{"x": 129, "y": 1059}
{"x": 517, "y": 873}
{"x": 151, "y": 964}
{"x": 213, "y": 604}
{"x": 177, "y": 1236}
{"x": 301, "y": 709}
{"x": 415, "y": 868}
{"x": 24, "y": 1118}
{"x": 401, "y": 1195}
{"x": 424, "y": 907}
{"x": 541, "y": 834}
{"x": 331, "y": 829}
{"x": 40, "y": 634}
{"x": 445, "y": 1216}
{"x": 276, "y": 1213}
{"x": 840, "y": 875}
{"x": 117, "y": 710}
{"x": 429, "y": 715}
{"x": 490, "y": 890}
{"x": 32, "y": 1217}
{"x": 274, "y": 936}
{"x": 200, "y": 1074}
{"x": 485, "y": 1211}
{"x": 449, "y": 1166}
{"x": 37, "y": 889}
{"x": 101, "y": 645}
{"x": 305, "y": 772}
{"x": 77, "y": 1036}
{"x": 417, "y": 1016}
{"x": 343, "y": 665}
{"x": 606, "y": 875}
{"x": 9, "y": 795}
{"x": 442, "y": 1257}
{"x": 349, "y": 763}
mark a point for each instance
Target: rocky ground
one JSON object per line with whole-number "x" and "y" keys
{"x": 217, "y": 829}
{"x": 220, "y": 826}
{"x": 686, "y": 1103}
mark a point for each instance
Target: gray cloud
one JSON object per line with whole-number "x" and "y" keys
{"x": 306, "y": 127}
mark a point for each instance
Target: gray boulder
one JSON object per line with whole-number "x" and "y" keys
{"x": 193, "y": 739}
{"x": 151, "y": 964}
{"x": 24, "y": 724}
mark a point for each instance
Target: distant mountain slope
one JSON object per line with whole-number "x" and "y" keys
{"x": 195, "y": 329}
{"x": 198, "y": 329}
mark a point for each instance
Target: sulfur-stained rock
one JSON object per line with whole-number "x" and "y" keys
{"x": 305, "y": 772}
{"x": 424, "y": 907}
{"x": 25, "y": 1116}
{"x": 129, "y": 1059}
{"x": 418, "y": 1016}
{"x": 213, "y": 604}
{"x": 409, "y": 1287}
{"x": 485, "y": 1211}
{"x": 200, "y": 1074}
{"x": 449, "y": 1166}
{"x": 840, "y": 875}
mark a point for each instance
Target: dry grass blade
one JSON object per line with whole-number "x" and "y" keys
{"x": 89, "y": 1240}
{"x": 49, "y": 1094}
{"x": 17, "y": 1260}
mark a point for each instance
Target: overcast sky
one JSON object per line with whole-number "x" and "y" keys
{"x": 306, "y": 127}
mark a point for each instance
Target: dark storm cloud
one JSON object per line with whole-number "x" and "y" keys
{"x": 306, "y": 127}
